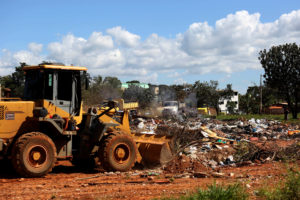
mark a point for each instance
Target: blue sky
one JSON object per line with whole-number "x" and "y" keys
{"x": 162, "y": 42}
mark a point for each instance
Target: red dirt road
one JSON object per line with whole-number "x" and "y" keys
{"x": 67, "y": 182}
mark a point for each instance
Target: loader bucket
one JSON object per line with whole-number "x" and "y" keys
{"x": 154, "y": 149}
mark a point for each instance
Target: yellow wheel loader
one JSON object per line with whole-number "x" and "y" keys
{"x": 49, "y": 125}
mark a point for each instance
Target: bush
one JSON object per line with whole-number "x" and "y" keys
{"x": 288, "y": 190}
{"x": 216, "y": 192}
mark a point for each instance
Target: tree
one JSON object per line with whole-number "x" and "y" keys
{"x": 97, "y": 80}
{"x": 227, "y": 93}
{"x": 99, "y": 90}
{"x": 269, "y": 97}
{"x": 114, "y": 82}
{"x": 133, "y": 81}
{"x": 282, "y": 71}
{"x": 179, "y": 91}
{"x": 166, "y": 93}
{"x": 141, "y": 95}
{"x": 230, "y": 107}
{"x": 249, "y": 102}
{"x": 15, "y": 81}
{"x": 244, "y": 103}
{"x": 145, "y": 100}
{"x": 207, "y": 94}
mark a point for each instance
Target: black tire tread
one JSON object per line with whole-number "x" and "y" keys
{"x": 105, "y": 150}
{"x": 16, "y": 153}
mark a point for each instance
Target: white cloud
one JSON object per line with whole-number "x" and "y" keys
{"x": 174, "y": 74}
{"x": 9, "y": 60}
{"x": 148, "y": 78}
{"x": 27, "y": 57}
{"x": 124, "y": 37}
{"x": 231, "y": 44}
{"x": 179, "y": 81}
{"x": 99, "y": 41}
{"x": 35, "y": 48}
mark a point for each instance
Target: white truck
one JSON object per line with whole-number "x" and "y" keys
{"x": 172, "y": 108}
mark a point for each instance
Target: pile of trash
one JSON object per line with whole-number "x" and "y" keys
{"x": 236, "y": 129}
{"x": 214, "y": 156}
{"x": 210, "y": 144}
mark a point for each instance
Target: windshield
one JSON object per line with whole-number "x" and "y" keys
{"x": 171, "y": 103}
{"x": 38, "y": 85}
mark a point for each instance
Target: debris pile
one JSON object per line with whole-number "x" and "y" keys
{"x": 237, "y": 129}
{"x": 200, "y": 145}
{"x": 183, "y": 164}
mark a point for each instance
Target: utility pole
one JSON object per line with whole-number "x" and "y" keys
{"x": 260, "y": 103}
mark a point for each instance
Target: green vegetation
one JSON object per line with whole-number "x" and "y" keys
{"x": 281, "y": 65}
{"x": 208, "y": 94}
{"x": 250, "y": 102}
{"x": 287, "y": 190}
{"x": 101, "y": 89}
{"x": 216, "y": 192}
{"x": 15, "y": 81}
{"x": 141, "y": 95}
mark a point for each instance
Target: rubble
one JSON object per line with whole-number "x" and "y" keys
{"x": 204, "y": 145}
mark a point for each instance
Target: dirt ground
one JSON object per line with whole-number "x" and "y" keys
{"x": 68, "y": 182}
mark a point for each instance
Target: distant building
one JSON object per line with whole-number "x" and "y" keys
{"x": 127, "y": 85}
{"x": 223, "y": 103}
{"x": 276, "y": 108}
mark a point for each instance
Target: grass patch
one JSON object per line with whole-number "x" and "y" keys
{"x": 216, "y": 192}
{"x": 289, "y": 189}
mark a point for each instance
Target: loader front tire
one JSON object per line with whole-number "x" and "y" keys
{"x": 119, "y": 152}
{"x": 33, "y": 155}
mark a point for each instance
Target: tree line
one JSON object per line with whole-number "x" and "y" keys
{"x": 199, "y": 94}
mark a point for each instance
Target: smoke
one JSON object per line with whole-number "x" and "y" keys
{"x": 191, "y": 100}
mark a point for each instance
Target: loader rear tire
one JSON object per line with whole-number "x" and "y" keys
{"x": 33, "y": 155}
{"x": 119, "y": 152}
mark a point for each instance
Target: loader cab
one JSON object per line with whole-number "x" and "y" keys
{"x": 56, "y": 83}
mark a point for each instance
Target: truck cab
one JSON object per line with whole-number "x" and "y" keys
{"x": 55, "y": 85}
{"x": 170, "y": 108}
